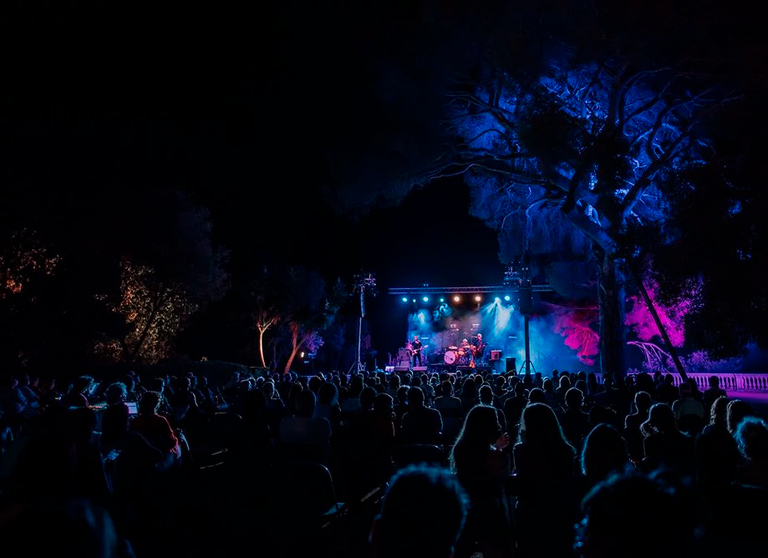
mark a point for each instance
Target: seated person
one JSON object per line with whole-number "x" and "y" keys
{"x": 422, "y": 516}
{"x": 114, "y": 421}
{"x": 303, "y": 431}
{"x": 420, "y": 424}
{"x": 155, "y": 428}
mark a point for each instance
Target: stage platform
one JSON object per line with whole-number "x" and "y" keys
{"x": 441, "y": 368}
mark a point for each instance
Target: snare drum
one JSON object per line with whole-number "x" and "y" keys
{"x": 450, "y": 357}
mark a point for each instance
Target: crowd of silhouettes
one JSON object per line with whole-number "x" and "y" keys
{"x": 380, "y": 464}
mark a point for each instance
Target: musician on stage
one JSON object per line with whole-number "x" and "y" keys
{"x": 465, "y": 353}
{"x": 478, "y": 348}
{"x": 416, "y": 348}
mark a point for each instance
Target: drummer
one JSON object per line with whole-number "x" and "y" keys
{"x": 464, "y": 347}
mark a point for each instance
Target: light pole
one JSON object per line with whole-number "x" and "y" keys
{"x": 363, "y": 282}
{"x": 522, "y": 280}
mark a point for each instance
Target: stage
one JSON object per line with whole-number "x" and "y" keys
{"x": 447, "y": 368}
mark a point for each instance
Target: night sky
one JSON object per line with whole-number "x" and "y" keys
{"x": 137, "y": 97}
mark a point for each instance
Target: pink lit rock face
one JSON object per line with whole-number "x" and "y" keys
{"x": 576, "y": 327}
{"x": 672, "y": 316}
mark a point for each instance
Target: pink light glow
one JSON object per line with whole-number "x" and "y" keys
{"x": 672, "y": 316}
{"x": 574, "y": 326}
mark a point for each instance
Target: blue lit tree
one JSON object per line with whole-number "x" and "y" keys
{"x": 568, "y": 124}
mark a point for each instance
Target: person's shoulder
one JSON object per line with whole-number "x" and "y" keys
{"x": 161, "y": 419}
{"x": 321, "y": 423}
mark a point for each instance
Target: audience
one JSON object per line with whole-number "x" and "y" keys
{"x": 89, "y": 461}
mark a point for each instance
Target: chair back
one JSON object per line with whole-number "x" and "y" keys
{"x": 308, "y": 487}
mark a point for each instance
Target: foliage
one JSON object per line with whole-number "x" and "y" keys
{"x": 168, "y": 273}
{"x": 25, "y": 259}
{"x": 110, "y": 280}
{"x": 672, "y": 315}
{"x": 576, "y": 326}
{"x": 154, "y": 311}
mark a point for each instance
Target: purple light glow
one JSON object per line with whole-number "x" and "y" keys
{"x": 639, "y": 319}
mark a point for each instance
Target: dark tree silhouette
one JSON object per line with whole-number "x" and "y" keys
{"x": 170, "y": 268}
{"x": 309, "y": 309}
{"x": 109, "y": 279}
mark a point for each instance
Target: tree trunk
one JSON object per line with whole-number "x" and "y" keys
{"x": 294, "y": 349}
{"x": 261, "y": 347}
{"x": 611, "y": 295}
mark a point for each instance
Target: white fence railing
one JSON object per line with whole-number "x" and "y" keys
{"x": 729, "y": 381}
{"x": 735, "y": 381}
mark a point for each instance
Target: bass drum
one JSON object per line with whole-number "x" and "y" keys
{"x": 450, "y": 357}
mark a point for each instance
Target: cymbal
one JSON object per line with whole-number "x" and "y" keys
{"x": 453, "y": 348}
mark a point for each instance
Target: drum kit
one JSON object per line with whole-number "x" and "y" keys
{"x": 460, "y": 356}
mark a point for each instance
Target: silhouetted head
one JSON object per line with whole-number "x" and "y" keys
{"x": 481, "y": 426}
{"x": 149, "y": 402}
{"x": 383, "y": 403}
{"x": 718, "y": 413}
{"x": 616, "y": 510}
{"x": 415, "y": 397}
{"x": 486, "y": 394}
{"x": 116, "y": 393}
{"x": 752, "y": 438}
{"x": 604, "y": 452}
{"x": 661, "y": 419}
{"x": 305, "y": 403}
{"x": 737, "y": 411}
{"x": 328, "y": 394}
{"x": 367, "y": 397}
{"x": 422, "y": 515}
{"x": 574, "y": 398}
{"x": 537, "y": 395}
{"x": 539, "y": 426}
{"x": 643, "y": 401}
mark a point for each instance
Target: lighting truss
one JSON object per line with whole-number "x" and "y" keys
{"x": 464, "y": 290}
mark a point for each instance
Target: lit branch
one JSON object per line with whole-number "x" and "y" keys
{"x": 654, "y": 356}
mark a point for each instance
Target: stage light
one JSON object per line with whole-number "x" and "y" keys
{"x": 425, "y": 299}
{"x": 507, "y": 298}
{"x": 405, "y": 299}
{"x": 442, "y": 299}
{"x": 478, "y": 298}
{"x": 457, "y": 298}
{"x": 414, "y": 301}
